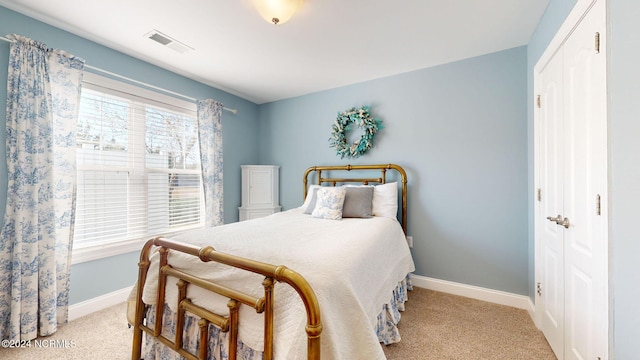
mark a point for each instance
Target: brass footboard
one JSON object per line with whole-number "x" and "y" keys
{"x": 226, "y": 322}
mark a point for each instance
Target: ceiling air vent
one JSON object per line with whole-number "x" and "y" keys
{"x": 169, "y": 42}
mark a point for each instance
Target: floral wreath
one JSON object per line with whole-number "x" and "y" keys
{"x": 361, "y": 118}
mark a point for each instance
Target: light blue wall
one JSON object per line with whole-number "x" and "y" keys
{"x": 460, "y": 131}
{"x": 239, "y": 132}
{"x": 624, "y": 167}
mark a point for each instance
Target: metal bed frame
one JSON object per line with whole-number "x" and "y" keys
{"x": 229, "y": 322}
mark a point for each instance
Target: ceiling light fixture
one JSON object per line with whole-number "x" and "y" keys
{"x": 277, "y": 11}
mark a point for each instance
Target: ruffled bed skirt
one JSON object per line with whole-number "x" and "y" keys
{"x": 386, "y": 329}
{"x": 388, "y": 318}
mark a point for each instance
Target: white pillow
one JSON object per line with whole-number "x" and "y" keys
{"x": 385, "y": 200}
{"x": 310, "y": 196}
{"x": 329, "y": 201}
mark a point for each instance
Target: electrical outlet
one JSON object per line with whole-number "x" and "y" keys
{"x": 410, "y": 241}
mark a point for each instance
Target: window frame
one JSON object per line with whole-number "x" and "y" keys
{"x": 90, "y": 252}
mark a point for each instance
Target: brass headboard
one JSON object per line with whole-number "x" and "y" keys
{"x": 382, "y": 180}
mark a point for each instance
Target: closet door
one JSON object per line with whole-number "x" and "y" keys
{"x": 584, "y": 188}
{"x": 550, "y": 286}
{"x": 571, "y": 238}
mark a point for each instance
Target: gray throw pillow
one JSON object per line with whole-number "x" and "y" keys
{"x": 358, "y": 202}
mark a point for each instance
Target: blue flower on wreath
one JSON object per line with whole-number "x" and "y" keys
{"x": 358, "y": 117}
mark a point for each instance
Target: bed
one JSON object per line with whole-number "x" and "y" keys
{"x": 214, "y": 294}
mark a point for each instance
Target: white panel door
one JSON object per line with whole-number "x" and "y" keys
{"x": 584, "y": 183}
{"x": 571, "y": 221}
{"x": 551, "y": 154}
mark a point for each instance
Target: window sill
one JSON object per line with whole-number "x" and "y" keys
{"x": 101, "y": 251}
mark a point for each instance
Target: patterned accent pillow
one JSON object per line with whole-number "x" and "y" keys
{"x": 329, "y": 201}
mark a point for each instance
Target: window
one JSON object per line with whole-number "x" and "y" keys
{"x": 138, "y": 165}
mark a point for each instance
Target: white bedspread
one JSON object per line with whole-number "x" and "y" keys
{"x": 352, "y": 264}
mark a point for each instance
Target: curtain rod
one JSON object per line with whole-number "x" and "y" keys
{"x": 234, "y": 111}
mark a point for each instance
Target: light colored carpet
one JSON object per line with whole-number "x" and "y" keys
{"x": 103, "y": 335}
{"x": 441, "y": 326}
{"x": 434, "y": 326}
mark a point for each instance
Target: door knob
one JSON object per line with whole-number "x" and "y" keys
{"x": 560, "y": 221}
{"x": 556, "y": 219}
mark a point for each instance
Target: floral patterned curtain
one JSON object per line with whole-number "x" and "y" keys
{"x": 210, "y": 138}
{"x": 43, "y": 94}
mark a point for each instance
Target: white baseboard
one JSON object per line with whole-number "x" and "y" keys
{"x": 531, "y": 309}
{"x": 475, "y": 292}
{"x": 96, "y": 304}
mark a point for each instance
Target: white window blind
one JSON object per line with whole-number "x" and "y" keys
{"x": 138, "y": 165}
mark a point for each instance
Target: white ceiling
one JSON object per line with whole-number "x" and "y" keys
{"x": 327, "y": 44}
